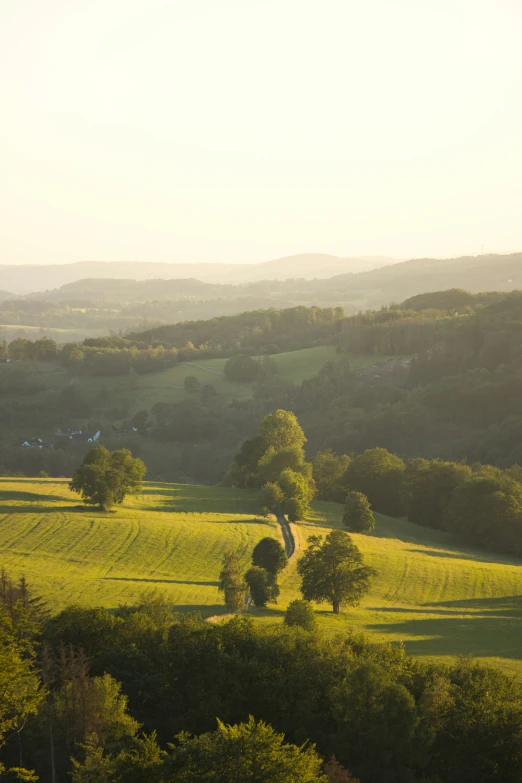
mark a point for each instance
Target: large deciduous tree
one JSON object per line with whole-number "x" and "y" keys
{"x": 430, "y": 487}
{"x": 270, "y": 555}
{"x": 281, "y": 430}
{"x": 243, "y": 369}
{"x": 105, "y": 477}
{"x": 379, "y": 475}
{"x": 262, "y": 585}
{"x": 232, "y": 582}
{"x": 333, "y": 570}
{"x": 358, "y": 515}
{"x": 249, "y": 752}
{"x": 330, "y": 475}
{"x": 487, "y": 509}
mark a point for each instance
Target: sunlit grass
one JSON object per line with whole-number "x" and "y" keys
{"x": 440, "y": 599}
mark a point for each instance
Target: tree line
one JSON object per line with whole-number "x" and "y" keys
{"x": 254, "y": 332}
{"x": 133, "y": 695}
{"x": 479, "y": 504}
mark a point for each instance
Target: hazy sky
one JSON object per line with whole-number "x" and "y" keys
{"x": 241, "y": 130}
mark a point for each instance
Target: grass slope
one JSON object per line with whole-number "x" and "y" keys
{"x": 172, "y": 537}
{"x": 438, "y": 598}
{"x": 168, "y": 386}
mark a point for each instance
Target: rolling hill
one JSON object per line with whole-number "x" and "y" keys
{"x": 26, "y": 279}
{"x": 438, "y": 598}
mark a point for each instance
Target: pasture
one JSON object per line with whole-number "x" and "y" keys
{"x": 438, "y": 598}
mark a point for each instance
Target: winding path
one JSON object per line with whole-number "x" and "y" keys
{"x": 200, "y": 367}
{"x": 288, "y": 536}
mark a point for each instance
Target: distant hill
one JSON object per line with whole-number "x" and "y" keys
{"x": 408, "y": 278}
{"x": 4, "y": 295}
{"x": 138, "y": 290}
{"x": 27, "y": 279}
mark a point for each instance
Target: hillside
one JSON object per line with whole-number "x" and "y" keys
{"x": 25, "y": 279}
{"x": 472, "y": 273}
{"x": 106, "y": 305}
{"x": 41, "y": 400}
{"x": 440, "y": 599}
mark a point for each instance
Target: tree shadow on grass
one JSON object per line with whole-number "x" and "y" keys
{"x": 52, "y": 509}
{"x": 190, "y": 498}
{"x": 29, "y": 497}
{"x": 494, "y": 633}
{"x": 158, "y": 581}
{"x": 504, "y": 605}
{"x": 479, "y": 556}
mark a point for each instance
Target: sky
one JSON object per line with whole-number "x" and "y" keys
{"x": 245, "y": 130}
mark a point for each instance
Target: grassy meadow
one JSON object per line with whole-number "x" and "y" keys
{"x": 438, "y": 598}
{"x": 143, "y": 391}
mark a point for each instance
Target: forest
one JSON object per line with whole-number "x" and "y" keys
{"x": 454, "y": 392}
{"x": 133, "y": 695}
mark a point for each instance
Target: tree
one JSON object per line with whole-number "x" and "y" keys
{"x": 106, "y": 477}
{"x": 243, "y": 369}
{"x": 192, "y": 384}
{"x": 21, "y": 348}
{"x": 301, "y": 613}
{"x": 297, "y": 494}
{"x": 273, "y": 462}
{"x": 270, "y": 555}
{"x": 358, "y": 515}
{"x": 487, "y": 509}
{"x": 271, "y": 497}
{"x": 244, "y": 468}
{"x": 281, "y": 430}
{"x": 45, "y": 348}
{"x": 20, "y": 688}
{"x": 379, "y": 475}
{"x": 86, "y": 706}
{"x": 262, "y": 585}
{"x": 333, "y": 570}
{"x": 208, "y": 392}
{"x": 248, "y": 753}
{"x": 329, "y": 475}
{"x": 431, "y": 486}
{"x": 231, "y": 581}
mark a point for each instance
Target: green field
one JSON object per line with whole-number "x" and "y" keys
{"x": 144, "y": 391}
{"x": 10, "y": 331}
{"x": 440, "y": 599}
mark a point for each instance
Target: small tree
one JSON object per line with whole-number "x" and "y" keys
{"x": 358, "y": 515}
{"x": 297, "y": 494}
{"x": 243, "y": 369}
{"x": 270, "y": 555}
{"x": 301, "y": 613}
{"x": 333, "y": 570}
{"x": 231, "y": 581}
{"x": 192, "y": 384}
{"x": 262, "y": 585}
{"x": 105, "y": 477}
{"x": 271, "y": 497}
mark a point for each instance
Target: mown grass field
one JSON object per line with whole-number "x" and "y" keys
{"x": 440, "y": 599}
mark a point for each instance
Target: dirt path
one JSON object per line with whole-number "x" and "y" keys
{"x": 289, "y": 542}
{"x": 288, "y": 536}
{"x": 200, "y": 367}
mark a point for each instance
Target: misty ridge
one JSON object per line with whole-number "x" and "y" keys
{"x": 116, "y": 300}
